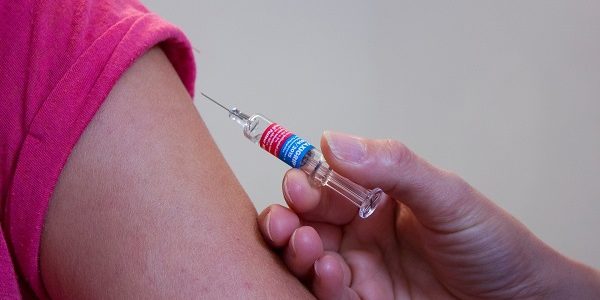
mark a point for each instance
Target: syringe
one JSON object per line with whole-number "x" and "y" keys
{"x": 300, "y": 154}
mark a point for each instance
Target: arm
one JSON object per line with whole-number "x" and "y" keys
{"x": 147, "y": 207}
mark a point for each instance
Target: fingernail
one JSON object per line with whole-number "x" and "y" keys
{"x": 346, "y": 147}
{"x": 268, "y": 224}
{"x": 293, "y": 243}
{"x": 317, "y": 267}
{"x": 285, "y": 189}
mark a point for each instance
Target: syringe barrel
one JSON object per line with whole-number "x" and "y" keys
{"x": 318, "y": 170}
{"x": 255, "y": 126}
{"x": 300, "y": 154}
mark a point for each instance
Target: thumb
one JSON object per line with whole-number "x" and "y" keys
{"x": 436, "y": 197}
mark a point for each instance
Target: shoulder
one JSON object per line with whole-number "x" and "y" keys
{"x": 60, "y": 60}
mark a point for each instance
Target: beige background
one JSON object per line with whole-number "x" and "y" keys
{"x": 505, "y": 93}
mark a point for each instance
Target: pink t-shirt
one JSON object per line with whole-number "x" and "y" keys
{"x": 58, "y": 62}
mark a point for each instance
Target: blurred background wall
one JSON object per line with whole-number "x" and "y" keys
{"x": 505, "y": 93}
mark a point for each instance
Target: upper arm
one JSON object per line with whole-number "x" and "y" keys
{"x": 147, "y": 207}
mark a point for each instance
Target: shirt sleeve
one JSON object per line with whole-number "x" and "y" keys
{"x": 63, "y": 60}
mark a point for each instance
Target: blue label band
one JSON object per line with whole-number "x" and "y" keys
{"x": 293, "y": 151}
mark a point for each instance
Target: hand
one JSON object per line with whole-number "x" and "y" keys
{"x": 433, "y": 237}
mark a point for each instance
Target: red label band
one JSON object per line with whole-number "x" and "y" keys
{"x": 273, "y": 138}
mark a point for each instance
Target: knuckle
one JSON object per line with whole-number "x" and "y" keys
{"x": 396, "y": 153}
{"x": 456, "y": 192}
{"x": 457, "y": 185}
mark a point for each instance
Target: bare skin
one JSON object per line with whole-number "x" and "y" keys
{"x": 435, "y": 237}
{"x": 146, "y": 206}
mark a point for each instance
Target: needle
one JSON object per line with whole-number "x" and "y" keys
{"x": 234, "y": 111}
{"x": 217, "y": 103}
